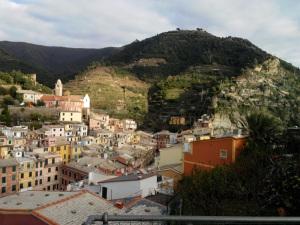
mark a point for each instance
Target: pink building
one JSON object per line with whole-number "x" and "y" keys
{"x": 98, "y": 121}
{"x": 65, "y": 103}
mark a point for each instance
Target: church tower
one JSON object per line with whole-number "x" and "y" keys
{"x": 58, "y": 88}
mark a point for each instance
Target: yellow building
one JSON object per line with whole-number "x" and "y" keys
{"x": 4, "y": 152}
{"x": 170, "y": 156}
{"x": 135, "y": 138}
{"x": 76, "y": 151}
{"x": 26, "y": 173}
{"x": 70, "y": 116}
{"x": 62, "y": 148}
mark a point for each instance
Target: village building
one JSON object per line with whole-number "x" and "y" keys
{"x": 207, "y": 154}
{"x": 70, "y": 116}
{"x": 47, "y": 171}
{"x": 8, "y": 177}
{"x": 165, "y": 138}
{"x": 129, "y": 124}
{"x": 30, "y": 96}
{"x": 132, "y": 185}
{"x": 26, "y": 168}
{"x": 49, "y": 208}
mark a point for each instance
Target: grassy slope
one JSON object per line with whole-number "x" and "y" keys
{"x": 105, "y": 87}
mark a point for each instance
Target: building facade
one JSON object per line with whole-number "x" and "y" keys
{"x": 8, "y": 176}
{"x": 207, "y": 154}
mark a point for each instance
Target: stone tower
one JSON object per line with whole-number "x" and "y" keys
{"x": 58, "y": 88}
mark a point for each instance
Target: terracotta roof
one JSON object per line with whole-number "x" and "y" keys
{"x": 72, "y": 98}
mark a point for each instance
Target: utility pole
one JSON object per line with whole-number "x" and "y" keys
{"x": 124, "y": 96}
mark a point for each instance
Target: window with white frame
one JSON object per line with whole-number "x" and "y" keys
{"x": 223, "y": 154}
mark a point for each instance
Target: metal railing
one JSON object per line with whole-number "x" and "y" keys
{"x": 201, "y": 220}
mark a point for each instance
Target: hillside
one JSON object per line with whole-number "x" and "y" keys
{"x": 50, "y": 63}
{"x": 190, "y": 73}
{"x": 106, "y": 85}
{"x": 182, "y": 73}
{"x": 174, "y": 52}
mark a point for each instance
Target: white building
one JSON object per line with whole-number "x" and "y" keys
{"x": 15, "y": 132}
{"x": 58, "y": 91}
{"x": 30, "y": 96}
{"x": 131, "y": 186}
{"x": 86, "y": 101}
{"x": 129, "y": 124}
{"x": 53, "y": 130}
{"x": 80, "y": 129}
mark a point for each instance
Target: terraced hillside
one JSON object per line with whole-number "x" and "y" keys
{"x": 113, "y": 90}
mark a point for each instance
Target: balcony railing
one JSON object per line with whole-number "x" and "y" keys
{"x": 189, "y": 220}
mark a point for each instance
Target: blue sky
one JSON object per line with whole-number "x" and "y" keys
{"x": 273, "y": 25}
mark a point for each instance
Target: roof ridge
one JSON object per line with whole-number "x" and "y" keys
{"x": 60, "y": 200}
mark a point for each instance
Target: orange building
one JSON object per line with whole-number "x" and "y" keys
{"x": 207, "y": 154}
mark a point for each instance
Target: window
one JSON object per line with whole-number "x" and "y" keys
{"x": 13, "y": 177}
{"x": 30, "y": 174}
{"x": 28, "y": 165}
{"x": 48, "y": 188}
{"x": 49, "y": 170}
{"x": 13, "y": 188}
{"x": 3, "y": 190}
{"x": 29, "y": 184}
{"x": 36, "y": 173}
{"x": 3, "y": 169}
{"x": 56, "y": 168}
{"x": 14, "y": 168}
{"x": 53, "y": 160}
{"x": 41, "y": 164}
{"x": 54, "y": 186}
{"x": 21, "y": 186}
{"x": 22, "y": 175}
{"x": 36, "y": 165}
{"x": 49, "y": 179}
{"x": 41, "y": 173}
{"x": 46, "y": 162}
{"x": 41, "y": 181}
{"x": 65, "y": 147}
{"x": 60, "y": 129}
{"x": 70, "y": 174}
{"x": 3, "y": 180}
{"x": 223, "y": 154}
{"x": 55, "y": 177}
{"x": 65, "y": 156}
{"x": 36, "y": 182}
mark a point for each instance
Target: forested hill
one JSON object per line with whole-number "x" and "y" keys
{"x": 50, "y": 63}
{"x": 173, "y": 52}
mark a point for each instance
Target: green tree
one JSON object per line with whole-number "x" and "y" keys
{"x": 265, "y": 130}
{"x": 5, "y": 116}
{"x": 40, "y": 103}
{"x": 8, "y": 100}
{"x": 13, "y": 91}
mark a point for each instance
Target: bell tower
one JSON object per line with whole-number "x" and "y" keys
{"x": 58, "y": 88}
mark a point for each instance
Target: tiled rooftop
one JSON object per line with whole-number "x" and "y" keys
{"x": 30, "y": 200}
{"x": 76, "y": 210}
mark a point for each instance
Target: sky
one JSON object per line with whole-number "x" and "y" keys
{"x": 273, "y": 25}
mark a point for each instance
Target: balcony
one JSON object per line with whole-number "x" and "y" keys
{"x": 189, "y": 220}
